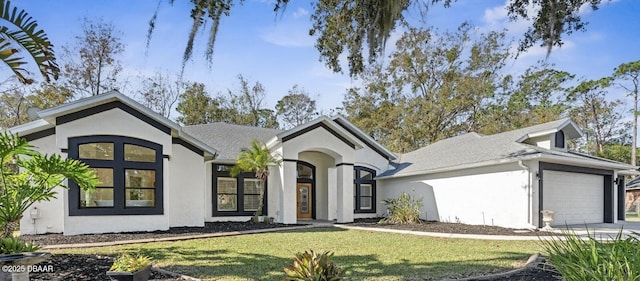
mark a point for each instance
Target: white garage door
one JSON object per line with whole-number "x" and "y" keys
{"x": 576, "y": 198}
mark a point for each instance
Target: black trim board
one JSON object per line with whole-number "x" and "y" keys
{"x": 108, "y": 106}
{"x": 315, "y": 126}
{"x": 40, "y": 134}
{"x": 608, "y": 186}
{"x": 188, "y": 146}
{"x": 344, "y": 164}
{"x": 344, "y": 126}
{"x": 622, "y": 198}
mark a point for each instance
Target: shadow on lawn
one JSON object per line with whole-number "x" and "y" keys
{"x": 225, "y": 265}
{"x": 232, "y": 265}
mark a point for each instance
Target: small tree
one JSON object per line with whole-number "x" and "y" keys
{"x": 256, "y": 159}
{"x": 27, "y": 177}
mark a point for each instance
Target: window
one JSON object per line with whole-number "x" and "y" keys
{"x": 130, "y": 175}
{"x": 560, "y": 139}
{"x": 239, "y": 196}
{"x": 364, "y": 190}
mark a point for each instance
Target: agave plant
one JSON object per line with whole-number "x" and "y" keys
{"x": 27, "y": 177}
{"x": 19, "y": 34}
{"x": 313, "y": 266}
{"x": 14, "y": 245}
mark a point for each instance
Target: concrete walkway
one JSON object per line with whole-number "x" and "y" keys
{"x": 603, "y": 231}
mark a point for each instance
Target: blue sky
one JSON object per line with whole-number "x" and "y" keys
{"x": 278, "y": 52}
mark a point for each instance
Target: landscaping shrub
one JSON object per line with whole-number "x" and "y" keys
{"x": 14, "y": 245}
{"x": 312, "y": 266}
{"x": 404, "y": 209}
{"x": 130, "y": 263}
{"x": 593, "y": 259}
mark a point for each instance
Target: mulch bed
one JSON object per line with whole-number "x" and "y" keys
{"x": 210, "y": 227}
{"x": 446, "y": 227}
{"x": 93, "y": 267}
{"x": 83, "y": 267}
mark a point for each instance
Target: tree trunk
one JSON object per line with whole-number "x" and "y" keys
{"x": 634, "y": 138}
{"x": 258, "y": 213}
{"x": 9, "y": 227}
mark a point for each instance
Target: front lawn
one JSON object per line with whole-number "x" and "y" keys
{"x": 632, "y": 216}
{"x": 364, "y": 255}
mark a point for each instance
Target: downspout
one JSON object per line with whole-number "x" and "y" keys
{"x": 529, "y": 192}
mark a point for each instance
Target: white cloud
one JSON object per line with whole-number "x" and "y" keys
{"x": 496, "y": 19}
{"x": 300, "y": 12}
{"x": 288, "y": 34}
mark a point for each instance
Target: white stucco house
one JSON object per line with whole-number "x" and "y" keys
{"x": 156, "y": 174}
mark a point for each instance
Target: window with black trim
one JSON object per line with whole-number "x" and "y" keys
{"x": 130, "y": 175}
{"x": 364, "y": 190}
{"x": 236, "y": 196}
{"x": 560, "y": 139}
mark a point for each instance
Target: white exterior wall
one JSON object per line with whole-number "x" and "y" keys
{"x": 322, "y": 141}
{"x": 187, "y": 188}
{"x": 322, "y": 163}
{"x": 542, "y": 141}
{"x": 369, "y": 158}
{"x": 496, "y": 195}
{"x": 54, "y": 215}
{"x": 51, "y": 213}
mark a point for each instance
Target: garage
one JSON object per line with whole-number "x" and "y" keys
{"x": 577, "y": 198}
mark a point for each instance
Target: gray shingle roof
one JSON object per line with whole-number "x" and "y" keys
{"x": 229, "y": 139}
{"x": 473, "y": 149}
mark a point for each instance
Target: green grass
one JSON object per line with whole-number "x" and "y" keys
{"x": 363, "y": 255}
{"x": 632, "y": 216}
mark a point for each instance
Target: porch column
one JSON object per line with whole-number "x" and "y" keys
{"x": 288, "y": 195}
{"x": 332, "y": 190}
{"x": 345, "y": 193}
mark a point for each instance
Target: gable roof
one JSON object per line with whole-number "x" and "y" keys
{"x": 570, "y": 129}
{"x": 229, "y": 138}
{"x": 50, "y": 117}
{"x": 366, "y": 139}
{"x": 474, "y": 150}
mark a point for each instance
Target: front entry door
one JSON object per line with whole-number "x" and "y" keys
{"x": 304, "y": 200}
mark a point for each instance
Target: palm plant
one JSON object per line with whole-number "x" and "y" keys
{"x": 19, "y": 33}
{"x": 27, "y": 177}
{"x": 256, "y": 159}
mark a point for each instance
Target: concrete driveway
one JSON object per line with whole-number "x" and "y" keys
{"x": 603, "y": 230}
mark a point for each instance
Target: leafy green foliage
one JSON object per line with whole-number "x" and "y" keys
{"x": 20, "y": 33}
{"x": 27, "y": 177}
{"x": 14, "y": 245}
{"x": 538, "y": 96}
{"x": 552, "y": 20}
{"x": 313, "y": 266}
{"x": 599, "y": 116}
{"x": 130, "y": 263}
{"x": 243, "y": 107}
{"x": 403, "y": 210}
{"x": 256, "y": 159}
{"x": 628, "y": 75}
{"x": 296, "y": 108}
{"x": 348, "y": 26}
{"x": 434, "y": 87}
{"x": 592, "y": 259}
